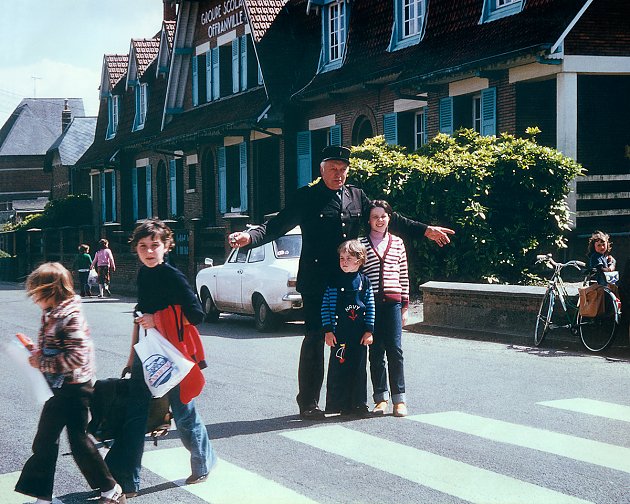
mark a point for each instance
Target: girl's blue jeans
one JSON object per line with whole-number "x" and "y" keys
{"x": 387, "y": 341}
{"x": 125, "y": 457}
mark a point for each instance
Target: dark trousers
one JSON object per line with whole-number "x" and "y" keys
{"x": 83, "y": 281}
{"x": 387, "y": 341}
{"x": 346, "y": 387}
{"x": 311, "y": 365}
{"x": 67, "y": 408}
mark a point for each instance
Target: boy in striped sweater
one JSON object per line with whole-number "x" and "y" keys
{"x": 386, "y": 267}
{"x": 348, "y": 322}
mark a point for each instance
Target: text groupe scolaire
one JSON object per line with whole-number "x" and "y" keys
{"x": 215, "y": 14}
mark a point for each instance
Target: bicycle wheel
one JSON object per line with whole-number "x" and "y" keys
{"x": 598, "y": 332}
{"x": 543, "y": 320}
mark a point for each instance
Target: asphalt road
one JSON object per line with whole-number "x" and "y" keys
{"x": 489, "y": 423}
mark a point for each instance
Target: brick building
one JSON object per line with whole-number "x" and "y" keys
{"x": 222, "y": 114}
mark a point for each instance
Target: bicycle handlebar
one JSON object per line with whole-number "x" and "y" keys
{"x": 549, "y": 260}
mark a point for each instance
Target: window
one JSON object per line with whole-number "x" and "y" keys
{"x": 257, "y": 255}
{"x": 141, "y": 192}
{"x": 476, "y": 111}
{"x": 176, "y": 176}
{"x": 407, "y": 129}
{"x": 313, "y": 142}
{"x": 335, "y": 29}
{"x": 192, "y": 177}
{"x": 497, "y": 9}
{"x": 108, "y": 196}
{"x": 232, "y": 161}
{"x": 112, "y": 116}
{"x": 141, "y": 106}
{"x": 408, "y": 23}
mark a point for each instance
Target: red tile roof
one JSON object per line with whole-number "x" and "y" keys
{"x": 116, "y": 67}
{"x": 146, "y": 50}
{"x": 262, "y": 14}
{"x": 169, "y": 28}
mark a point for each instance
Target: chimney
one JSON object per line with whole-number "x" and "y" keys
{"x": 66, "y": 116}
{"x": 170, "y": 14}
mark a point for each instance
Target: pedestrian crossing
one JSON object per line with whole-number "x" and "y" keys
{"x": 330, "y": 442}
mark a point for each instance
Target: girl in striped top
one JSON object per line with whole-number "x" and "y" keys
{"x": 386, "y": 267}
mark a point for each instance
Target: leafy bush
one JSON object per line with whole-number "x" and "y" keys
{"x": 504, "y": 197}
{"x": 73, "y": 210}
{"x": 4, "y": 254}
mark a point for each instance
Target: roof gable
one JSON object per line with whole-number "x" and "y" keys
{"x": 114, "y": 69}
{"x": 142, "y": 52}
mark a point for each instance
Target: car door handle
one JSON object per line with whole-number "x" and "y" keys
{"x": 240, "y": 272}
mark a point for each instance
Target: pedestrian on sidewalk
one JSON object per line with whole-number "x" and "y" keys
{"x": 161, "y": 288}
{"x": 82, "y": 265}
{"x": 329, "y": 212}
{"x": 105, "y": 266}
{"x": 386, "y": 267}
{"x": 348, "y": 322}
{"x": 64, "y": 353}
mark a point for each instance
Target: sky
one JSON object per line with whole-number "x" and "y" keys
{"x": 62, "y": 43}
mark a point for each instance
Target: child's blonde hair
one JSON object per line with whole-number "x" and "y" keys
{"x": 50, "y": 281}
{"x": 599, "y": 236}
{"x": 354, "y": 248}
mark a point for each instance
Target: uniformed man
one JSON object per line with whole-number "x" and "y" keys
{"x": 329, "y": 213}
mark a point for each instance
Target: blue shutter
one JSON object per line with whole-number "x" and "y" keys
{"x": 446, "y": 115}
{"x": 216, "y": 84}
{"x": 425, "y": 111}
{"x": 335, "y": 135}
{"x": 110, "y": 117}
{"x": 489, "y": 111}
{"x": 243, "y": 62}
{"x": 113, "y": 196}
{"x": 134, "y": 192}
{"x": 149, "y": 192}
{"x": 209, "y": 76}
{"x": 195, "y": 82}
{"x": 236, "y": 81}
{"x": 222, "y": 180}
{"x": 103, "y": 203}
{"x": 136, "y": 120}
{"x": 172, "y": 175}
{"x": 243, "y": 166}
{"x": 304, "y": 170}
{"x": 390, "y": 128}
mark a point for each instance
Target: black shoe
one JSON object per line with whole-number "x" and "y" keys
{"x": 191, "y": 480}
{"x": 361, "y": 411}
{"x": 313, "y": 413}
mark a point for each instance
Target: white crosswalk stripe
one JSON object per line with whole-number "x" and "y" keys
{"x": 10, "y": 496}
{"x": 592, "y": 407}
{"x": 226, "y": 484}
{"x": 585, "y": 450}
{"x": 455, "y": 478}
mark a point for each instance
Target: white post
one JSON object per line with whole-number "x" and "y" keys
{"x": 566, "y": 126}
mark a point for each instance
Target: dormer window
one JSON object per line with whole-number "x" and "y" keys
{"x": 112, "y": 115}
{"x": 497, "y": 9}
{"x": 408, "y": 23}
{"x": 335, "y": 33}
{"x": 141, "y": 106}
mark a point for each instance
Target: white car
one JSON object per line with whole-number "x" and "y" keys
{"x": 259, "y": 281}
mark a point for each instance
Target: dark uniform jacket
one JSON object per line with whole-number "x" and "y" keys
{"x": 326, "y": 221}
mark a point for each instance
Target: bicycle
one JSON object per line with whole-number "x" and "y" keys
{"x": 596, "y": 333}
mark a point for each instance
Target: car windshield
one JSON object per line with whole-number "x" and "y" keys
{"x": 288, "y": 246}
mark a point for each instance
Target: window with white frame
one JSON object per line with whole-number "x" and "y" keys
{"x": 476, "y": 112}
{"x": 112, "y": 116}
{"x": 408, "y": 23}
{"x": 496, "y": 9}
{"x": 141, "y": 106}
{"x": 420, "y": 129}
{"x": 335, "y": 31}
{"x": 412, "y": 17}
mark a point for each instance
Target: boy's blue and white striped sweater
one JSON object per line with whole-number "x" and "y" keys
{"x": 348, "y": 281}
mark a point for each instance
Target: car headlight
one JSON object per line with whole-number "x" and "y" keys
{"x": 292, "y": 282}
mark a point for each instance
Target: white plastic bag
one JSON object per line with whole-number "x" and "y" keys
{"x": 163, "y": 365}
{"x": 92, "y": 278}
{"x": 17, "y": 355}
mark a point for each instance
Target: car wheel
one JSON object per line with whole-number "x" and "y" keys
{"x": 265, "y": 319}
{"x": 209, "y": 308}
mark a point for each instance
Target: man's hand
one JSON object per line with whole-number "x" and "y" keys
{"x": 239, "y": 239}
{"x": 367, "y": 339}
{"x": 331, "y": 341}
{"x": 439, "y": 234}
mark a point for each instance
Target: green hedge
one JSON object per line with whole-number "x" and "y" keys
{"x": 504, "y": 196}
{"x": 74, "y": 210}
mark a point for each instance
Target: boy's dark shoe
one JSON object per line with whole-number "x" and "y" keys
{"x": 361, "y": 411}
{"x": 312, "y": 414}
{"x": 191, "y": 480}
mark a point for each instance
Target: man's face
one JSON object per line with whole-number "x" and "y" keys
{"x": 334, "y": 173}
